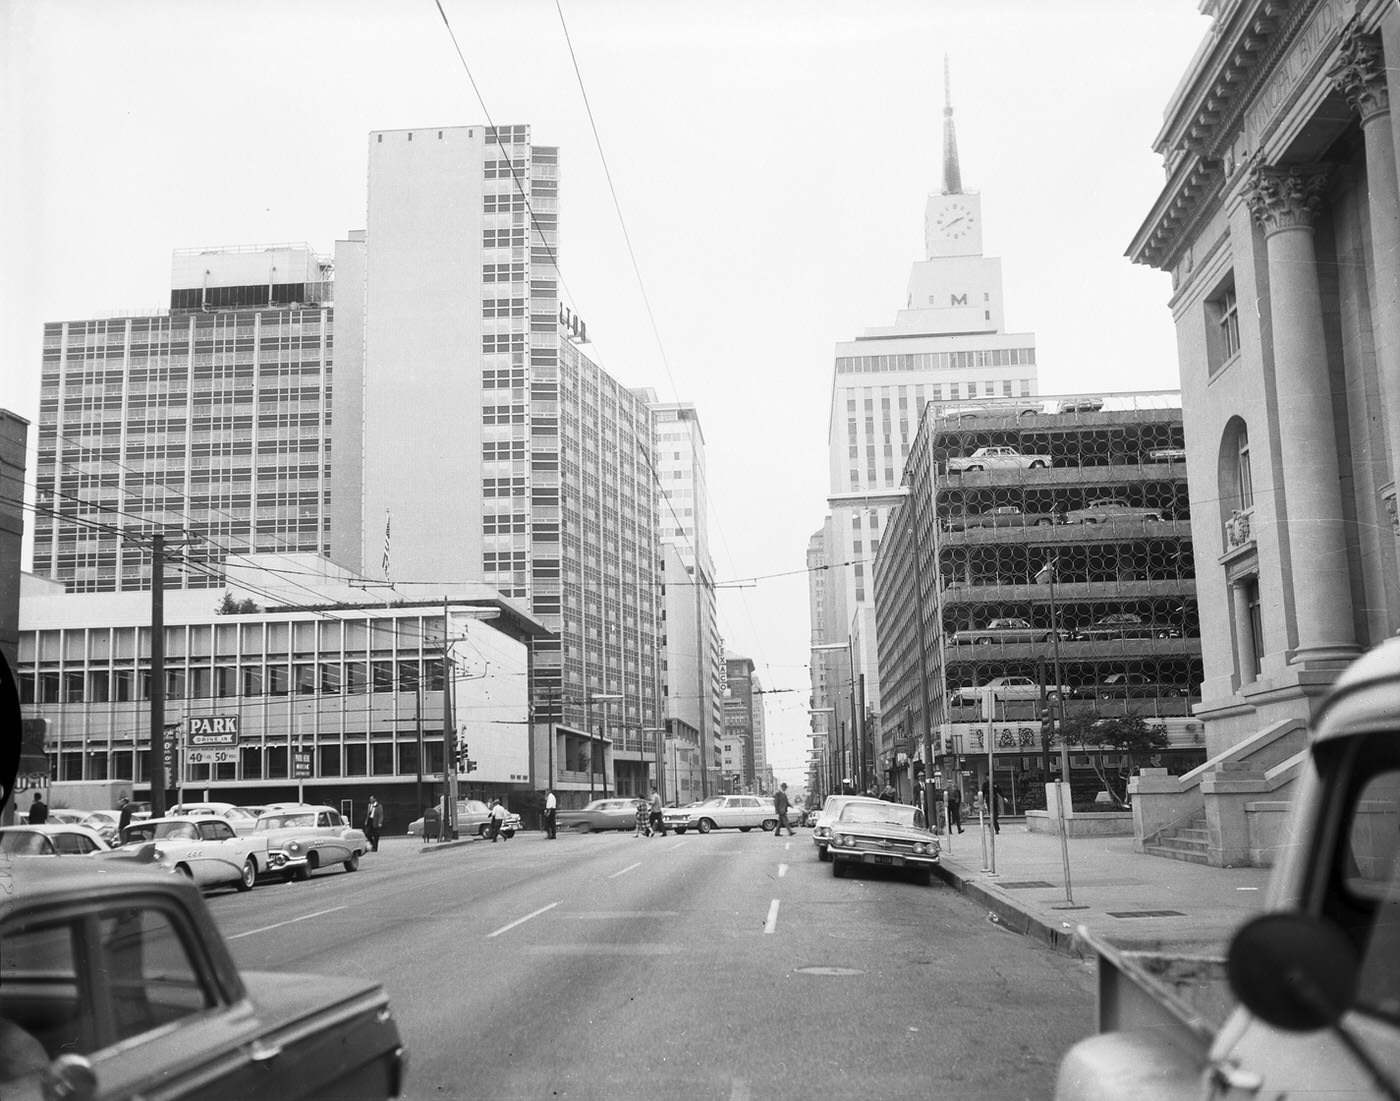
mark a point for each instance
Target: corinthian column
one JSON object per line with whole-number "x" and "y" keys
{"x": 1359, "y": 73}
{"x": 1285, "y": 201}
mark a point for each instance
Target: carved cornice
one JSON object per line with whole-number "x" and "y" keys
{"x": 1176, "y": 210}
{"x": 1359, "y": 72}
{"x": 1286, "y": 197}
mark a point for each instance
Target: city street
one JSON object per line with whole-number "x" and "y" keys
{"x": 721, "y": 966}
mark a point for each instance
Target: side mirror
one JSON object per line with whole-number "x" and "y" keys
{"x": 1293, "y": 971}
{"x": 70, "y": 1078}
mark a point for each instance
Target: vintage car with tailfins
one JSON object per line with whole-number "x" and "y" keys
{"x": 204, "y": 849}
{"x": 115, "y": 984}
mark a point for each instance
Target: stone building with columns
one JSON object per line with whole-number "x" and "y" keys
{"x": 1280, "y": 226}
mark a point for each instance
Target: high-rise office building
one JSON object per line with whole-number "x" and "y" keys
{"x": 692, "y": 642}
{"x": 948, "y": 347}
{"x": 211, "y": 416}
{"x": 491, "y": 447}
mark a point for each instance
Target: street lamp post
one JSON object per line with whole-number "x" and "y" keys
{"x": 588, "y": 701}
{"x": 1046, "y": 575}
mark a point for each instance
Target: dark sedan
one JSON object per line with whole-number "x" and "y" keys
{"x": 601, "y": 814}
{"x": 1124, "y": 686}
{"x": 1125, "y": 625}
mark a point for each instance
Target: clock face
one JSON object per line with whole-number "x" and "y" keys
{"x": 955, "y": 221}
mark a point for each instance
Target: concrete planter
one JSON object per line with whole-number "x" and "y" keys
{"x": 1092, "y": 824}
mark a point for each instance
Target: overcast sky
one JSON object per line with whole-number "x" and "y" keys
{"x": 771, "y": 160}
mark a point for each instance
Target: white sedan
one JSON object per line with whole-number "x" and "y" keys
{"x": 310, "y": 837}
{"x": 58, "y": 839}
{"x": 1011, "y": 688}
{"x": 203, "y": 848}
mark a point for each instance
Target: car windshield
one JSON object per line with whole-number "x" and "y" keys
{"x": 891, "y": 814}
{"x": 159, "y": 831}
{"x": 24, "y": 843}
{"x": 283, "y": 821}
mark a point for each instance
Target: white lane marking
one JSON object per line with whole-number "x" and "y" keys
{"x": 739, "y": 1091}
{"x": 521, "y": 921}
{"x": 771, "y": 923}
{"x": 625, "y": 870}
{"x": 292, "y": 921}
{"x": 782, "y": 870}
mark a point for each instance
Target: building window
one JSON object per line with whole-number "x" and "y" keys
{"x": 1255, "y": 627}
{"x": 1223, "y": 326}
{"x": 1244, "y": 475}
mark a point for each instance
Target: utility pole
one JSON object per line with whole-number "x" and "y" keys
{"x": 447, "y": 823}
{"x": 156, "y": 761}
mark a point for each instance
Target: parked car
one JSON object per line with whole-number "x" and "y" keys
{"x": 1125, "y": 625}
{"x": 1081, "y": 405}
{"x": 1006, "y": 629}
{"x": 1165, "y": 455}
{"x": 1011, "y": 688}
{"x": 601, "y": 814}
{"x": 1004, "y": 516}
{"x": 118, "y": 984}
{"x": 880, "y": 834}
{"x": 60, "y": 839}
{"x": 996, "y": 458}
{"x": 204, "y": 849}
{"x": 309, "y": 838}
{"x": 242, "y": 819}
{"x": 1006, "y": 408}
{"x": 1099, "y": 512}
{"x": 104, "y": 823}
{"x": 721, "y": 812}
{"x": 1124, "y": 686}
{"x": 826, "y": 820}
{"x": 473, "y": 818}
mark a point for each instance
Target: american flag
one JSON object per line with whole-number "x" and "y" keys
{"x": 386, "y": 547}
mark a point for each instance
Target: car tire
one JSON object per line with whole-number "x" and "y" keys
{"x": 923, "y": 877}
{"x": 1037, "y": 465}
{"x": 1045, "y": 522}
{"x": 822, "y": 854}
{"x": 507, "y": 834}
{"x": 302, "y": 874}
{"x": 974, "y": 469}
{"x": 982, "y": 641}
{"x": 838, "y": 868}
{"x": 184, "y": 870}
{"x": 769, "y": 825}
{"x": 705, "y": 825}
{"x": 249, "y": 876}
{"x": 745, "y": 829}
{"x": 353, "y": 864}
{"x": 680, "y": 831}
{"x": 583, "y": 827}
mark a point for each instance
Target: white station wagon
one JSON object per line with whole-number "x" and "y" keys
{"x": 721, "y": 812}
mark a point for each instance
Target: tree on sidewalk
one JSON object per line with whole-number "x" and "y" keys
{"x": 1130, "y": 736}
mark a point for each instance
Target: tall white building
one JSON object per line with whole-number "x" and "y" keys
{"x": 947, "y": 346}
{"x": 692, "y": 642}
{"x": 487, "y": 446}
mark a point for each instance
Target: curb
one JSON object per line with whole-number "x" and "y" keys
{"x": 1061, "y": 938}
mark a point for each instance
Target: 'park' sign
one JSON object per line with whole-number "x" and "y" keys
{"x": 213, "y": 730}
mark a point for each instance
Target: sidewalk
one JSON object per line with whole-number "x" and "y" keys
{"x": 1139, "y": 902}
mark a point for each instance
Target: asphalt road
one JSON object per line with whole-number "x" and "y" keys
{"x": 728, "y": 967}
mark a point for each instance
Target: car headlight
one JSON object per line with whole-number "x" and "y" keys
{"x": 845, "y": 839}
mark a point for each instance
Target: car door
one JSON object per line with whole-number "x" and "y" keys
{"x": 330, "y": 840}
{"x": 226, "y": 851}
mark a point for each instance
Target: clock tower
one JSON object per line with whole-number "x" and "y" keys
{"x": 952, "y": 219}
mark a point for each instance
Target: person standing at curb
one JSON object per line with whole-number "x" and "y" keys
{"x": 551, "y": 808}
{"x": 374, "y": 822}
{"x": 38, "y": 811}
{"x": 124, "y": 818}
{"x": 780, "y": 804}
{"x": 954, "y": 800}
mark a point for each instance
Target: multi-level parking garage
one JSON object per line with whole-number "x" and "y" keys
{"x": 1094, "y": 488}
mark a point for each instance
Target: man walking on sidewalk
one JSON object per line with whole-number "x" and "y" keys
{"x": 954, "y": 801}
{"x": 780, "y": 804}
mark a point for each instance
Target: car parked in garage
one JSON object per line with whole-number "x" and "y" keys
{"x": 1111, "y": 509}
{"x": 1125, "y": 625}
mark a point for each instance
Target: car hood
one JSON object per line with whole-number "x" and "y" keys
{"x": 878, "y": 830}
{"x": 290, "y": 833}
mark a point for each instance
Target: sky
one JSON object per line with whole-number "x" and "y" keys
{"x": 742, "y": 187}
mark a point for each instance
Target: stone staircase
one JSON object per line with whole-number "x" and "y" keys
{"x": 1189, "y": 842}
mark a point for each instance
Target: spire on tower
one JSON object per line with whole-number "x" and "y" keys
{"x": 952, "y": 175}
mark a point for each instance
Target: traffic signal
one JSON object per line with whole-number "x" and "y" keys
{"x": 471, "y": 765}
